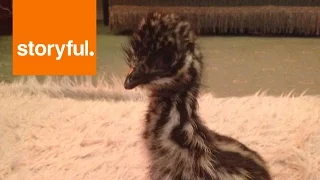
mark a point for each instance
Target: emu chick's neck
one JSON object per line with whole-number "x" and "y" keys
{"x": 182, "y": 147}
{"x": 172, "y": 119}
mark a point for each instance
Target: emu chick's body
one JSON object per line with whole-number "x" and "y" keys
{"x": 166, "y": 61}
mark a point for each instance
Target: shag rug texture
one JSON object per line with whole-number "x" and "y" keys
{"x": 68, "y": 130}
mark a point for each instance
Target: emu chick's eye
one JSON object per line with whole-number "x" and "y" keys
{"x": 163, "y": 62}
{"x": 162, "y": 59}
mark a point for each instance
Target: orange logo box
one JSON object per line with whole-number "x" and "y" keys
{"x": 54, "y": 37}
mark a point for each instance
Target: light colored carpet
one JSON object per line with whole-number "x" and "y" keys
{"x": 63, "y": 130}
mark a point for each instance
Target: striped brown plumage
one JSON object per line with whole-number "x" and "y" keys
{"x": 167, "y": 62}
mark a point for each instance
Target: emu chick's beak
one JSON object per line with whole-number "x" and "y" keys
{"x": 134, "y": 78}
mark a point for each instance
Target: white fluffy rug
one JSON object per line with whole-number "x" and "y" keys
{"x": 70, "y": 131}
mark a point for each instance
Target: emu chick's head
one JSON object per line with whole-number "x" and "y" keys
{"x": 162, "y": 54}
